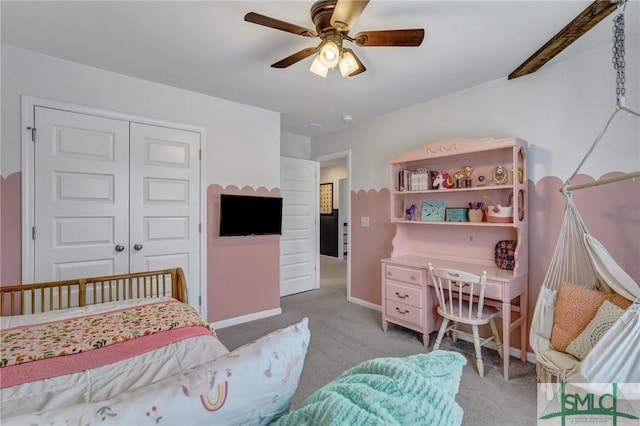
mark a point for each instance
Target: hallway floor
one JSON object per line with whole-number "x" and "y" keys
{"x": 333, "y": 274}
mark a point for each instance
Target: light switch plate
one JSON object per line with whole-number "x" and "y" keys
{"x": 364, "y": 221}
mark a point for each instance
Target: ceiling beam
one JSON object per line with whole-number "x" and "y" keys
{"x": 589, "y": 18}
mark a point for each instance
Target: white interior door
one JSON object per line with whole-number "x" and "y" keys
{"x": 81, "y": 195}
{"x": 165, "y": 201}
{"x": 299, "y": 254}
{"x": 112, "y": 197}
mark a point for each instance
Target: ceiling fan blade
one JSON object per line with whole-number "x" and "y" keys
{"x": 256, "y": 18}
{"x": 582, "y": 23}
{"x": 298, "y": 56}
{"x": 361, "y": 67}
{"x": 412, "y": 37}
{"x": 346, "y": 13}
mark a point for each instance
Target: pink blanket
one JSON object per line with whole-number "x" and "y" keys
{"x": 47, "y": 350}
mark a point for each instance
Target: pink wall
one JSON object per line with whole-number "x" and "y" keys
{"x": 243, "y": 273}
{"x": 369, "y": 245}
{"x": 611, "y": 214}
{"x": 10, "y": 224}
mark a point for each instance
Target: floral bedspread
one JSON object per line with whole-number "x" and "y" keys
{"x": 67, "y": 337}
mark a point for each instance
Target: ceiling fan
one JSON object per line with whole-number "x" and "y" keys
{"x": 333, "y": 19}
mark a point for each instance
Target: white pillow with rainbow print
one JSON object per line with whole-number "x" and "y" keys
{"x": 252, "y": 385}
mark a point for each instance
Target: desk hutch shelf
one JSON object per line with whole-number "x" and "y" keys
{"x": 408, "y": 299}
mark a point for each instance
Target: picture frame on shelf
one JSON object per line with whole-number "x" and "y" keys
{"x": 434, "y": 210}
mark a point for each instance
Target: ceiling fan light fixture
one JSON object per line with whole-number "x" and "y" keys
{"x": 329, "y": 54}
{"x": 348, "y": 63}
{"x": 318, "y": 68}
{"x": 333, "y": 19}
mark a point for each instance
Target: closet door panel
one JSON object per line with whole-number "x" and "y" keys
{"x": 165, "y": 200}
{"x": 81, "y": 200}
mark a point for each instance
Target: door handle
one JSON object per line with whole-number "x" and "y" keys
{"x": 119, "y": 248}
{"x": 137, "y": 247}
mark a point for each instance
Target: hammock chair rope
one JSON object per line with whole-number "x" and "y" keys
{"x": 619, "y": 65}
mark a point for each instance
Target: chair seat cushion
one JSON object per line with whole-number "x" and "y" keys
{"x": 488, "y": 312}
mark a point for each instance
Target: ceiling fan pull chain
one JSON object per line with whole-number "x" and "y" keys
{"x": 618, "y": 52}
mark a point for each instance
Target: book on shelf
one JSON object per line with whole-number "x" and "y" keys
{"x": 418, "y": 180}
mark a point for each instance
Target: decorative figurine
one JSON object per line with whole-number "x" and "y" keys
{"x": 467, "y": 170}
{"x": 459, "y": 177}
{"x": 411, "y": 212}
{"x": 443, "y": 181}
{"x": 500, "y": 175}
{"x": 520, "y": 175}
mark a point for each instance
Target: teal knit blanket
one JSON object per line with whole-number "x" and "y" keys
{"x": 416, "y": 390}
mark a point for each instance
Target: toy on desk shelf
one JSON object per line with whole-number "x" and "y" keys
{"x": 498, "y": 213}
{"x": 496, "y": 206}
{"x": 467, "y": 170}
{"x": 443, "y": 181}
{"x": 499, "y": 176}
{"x": 459, "y": 181}
{"x": 411, "y": 212}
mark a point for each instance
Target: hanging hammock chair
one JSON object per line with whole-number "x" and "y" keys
{"x": 580, "y": 259}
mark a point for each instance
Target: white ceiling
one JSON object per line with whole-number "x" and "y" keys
{"x": 207, "y": 47}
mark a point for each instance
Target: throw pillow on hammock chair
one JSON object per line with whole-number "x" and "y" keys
{"x": 581, "y": 317}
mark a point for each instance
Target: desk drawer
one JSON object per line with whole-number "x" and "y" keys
{"x": 407, "y": 275}
{"x": 405, "y": 294}
{"x": 492, "y": 290}
{"x": 404, "y": 312}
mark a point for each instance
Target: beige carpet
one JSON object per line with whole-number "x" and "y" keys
{"x": 344, "y": 334}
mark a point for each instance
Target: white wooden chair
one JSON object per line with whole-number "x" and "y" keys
{"x": 461, "y": 301}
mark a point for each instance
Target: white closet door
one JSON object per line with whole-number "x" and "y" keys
{"x": 165, "y": 202}
{"x": 299, "y": 246}
{"x": 81, "y": 199}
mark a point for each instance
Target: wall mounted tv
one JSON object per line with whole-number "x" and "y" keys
{"x": 250, "y": 215}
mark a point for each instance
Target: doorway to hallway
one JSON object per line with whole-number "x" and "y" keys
{"x": 333, "y": 275}
{"x": 334, "y": 268}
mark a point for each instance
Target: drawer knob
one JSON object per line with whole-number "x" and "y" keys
{"x": 389, "y": 273}
{"x": 402, "y": 296}
{"x": 402, "y": 312}
{"x": 413, "y": 278}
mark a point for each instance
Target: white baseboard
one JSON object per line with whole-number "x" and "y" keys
{"x": 514, "y": 352}
{"x": 365, "y": 304}
{"x": 245, "y": 318}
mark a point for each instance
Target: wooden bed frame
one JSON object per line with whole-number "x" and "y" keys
{"x": 49, "y": 296}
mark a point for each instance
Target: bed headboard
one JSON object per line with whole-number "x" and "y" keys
{"x": 48, "y": 296}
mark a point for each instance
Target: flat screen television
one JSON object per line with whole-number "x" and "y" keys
{"x": 250, "y": 215}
